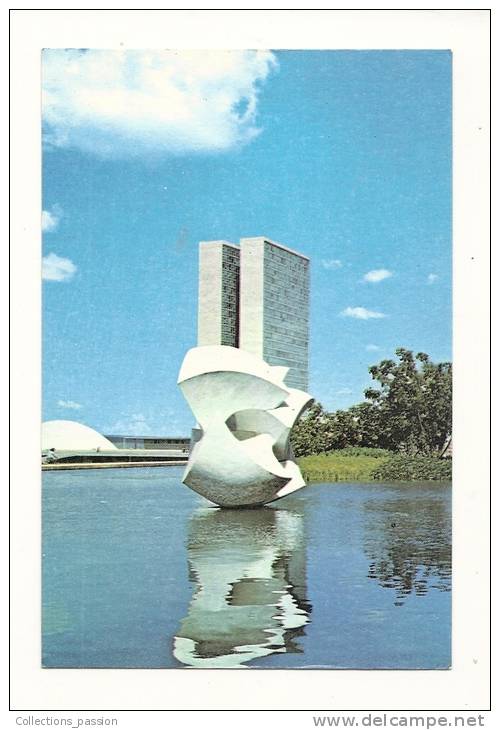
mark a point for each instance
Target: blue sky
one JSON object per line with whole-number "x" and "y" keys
{"x": 343, "y": 155}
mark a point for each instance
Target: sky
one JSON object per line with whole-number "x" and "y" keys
{"x": 344, "y": 156}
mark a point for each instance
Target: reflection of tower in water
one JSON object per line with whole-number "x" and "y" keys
{"x": 249, "y": 567}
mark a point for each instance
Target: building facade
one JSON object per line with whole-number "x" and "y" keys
{"x": 256, "y": 296}
{"x": 172, "y": 443}
{"x": 274, "y": 311}
{"x": 218, "y": 294}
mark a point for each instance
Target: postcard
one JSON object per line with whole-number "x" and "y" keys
{"x": 250, "y": 419}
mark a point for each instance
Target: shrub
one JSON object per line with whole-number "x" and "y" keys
{"x": 407, "y": 468}
{"x": 362, "y": 451}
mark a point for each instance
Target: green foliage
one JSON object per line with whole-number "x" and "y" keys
{"x": 344, "y": 465}
{"x": 409, "y": 412}
{"x": 401, "y": 467}
{"x": 362, "y": 464}
{"x": 310, "y": 435}
{"x": 319, "y": 432}
{"x": 363, "y": 451}
{"x": 412, "y": 408}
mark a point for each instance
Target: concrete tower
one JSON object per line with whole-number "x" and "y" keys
{"x": 256, "y": 297}
{"x": 274, "y": 306}
{"x": 218, "y": 293}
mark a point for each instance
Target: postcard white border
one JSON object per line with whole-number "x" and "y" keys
{"x": 466, "y": 685}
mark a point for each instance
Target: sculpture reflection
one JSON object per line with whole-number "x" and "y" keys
{"x": 250, "y": 599}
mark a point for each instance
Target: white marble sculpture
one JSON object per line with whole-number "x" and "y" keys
{"x": 245, "y": 413}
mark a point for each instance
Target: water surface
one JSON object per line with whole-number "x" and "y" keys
{"x": 138, "y": 571}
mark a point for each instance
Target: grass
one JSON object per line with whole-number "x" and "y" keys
{"x": 368, "y": 465}
{"x": 341, "y": 466}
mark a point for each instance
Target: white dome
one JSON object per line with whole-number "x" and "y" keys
{"x": 72, "y": 436}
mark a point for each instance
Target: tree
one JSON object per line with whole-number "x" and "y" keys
{"x": 368, "y": 426}
{"x": 410, "y": 411}
{"x": 344, "y": 429}
{"x": 310, "y": 434}
{"x": 413, "y": 404}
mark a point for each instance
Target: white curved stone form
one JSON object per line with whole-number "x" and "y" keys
{"x": 73, "y": 436}
{"x": 245, "y": 413}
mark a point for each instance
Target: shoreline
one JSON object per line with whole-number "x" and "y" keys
{"x": 110, "y": 465}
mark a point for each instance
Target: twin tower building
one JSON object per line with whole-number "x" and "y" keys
{"x": 255, "y": 296}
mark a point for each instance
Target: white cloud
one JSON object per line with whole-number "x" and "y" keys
{"x": 124, "y": 103}
{"x": 377, "y": 275}
{"x": 432, "y": 278}
{"x": 344, "y": 391}
{"x": 69, "y": 404}
{"x": 372, "y": 348}
{"x": 331, "y": 263}
{"x": 56, "y": 268}
{"x": 361, "y": 313}
{"x": 50, "y": 219}
{"x": 135, "y": 425}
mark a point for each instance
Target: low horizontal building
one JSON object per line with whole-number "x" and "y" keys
{"x": 73, "y": 443}
{"x": 120, "y": 457}
{"x": 166, "y": 443}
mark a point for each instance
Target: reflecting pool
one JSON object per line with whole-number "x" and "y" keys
{"x": 138, "y": 571}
